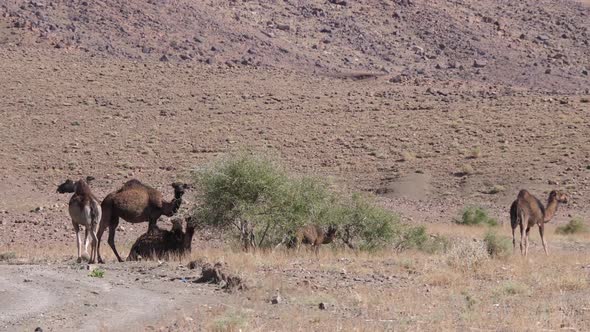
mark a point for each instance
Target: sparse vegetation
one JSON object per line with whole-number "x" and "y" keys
{"x": 467, "y": 169}
{"x": 476, "y": 216}
{"x": 96, "y": 273}
{"x": 256, "y": 198}
{"x": 408, "y": 156}
{"x": 6, "y": 256}
{"x": 574, "y": 226}
{"x": 498, "y": 246}
{"x": 475, "y": 153}
{"x": 495, "y": 189}
{"x": 231, "y": 320}
{"x": 467, "y": 256}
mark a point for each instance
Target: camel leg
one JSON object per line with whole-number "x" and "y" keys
{"x": 521, "y": 239}
{"x": 86, "y": 239}
{"x": 513, "y": 239}
{"x": 78, "y": 242}
{"x": 101, "y": 228}
{"x": 541, "y": 232}
{"x": 526, "y": 241}
{"x": 94, "y": 246}
{"x": 111, "y": 241}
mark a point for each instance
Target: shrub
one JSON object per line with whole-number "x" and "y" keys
{"x": 467, "y": 255}
{"x": 498, "y": 246}
{"x": 476, "y": 216}
{"x": 574, "y": 226}
{"x": 263, "y": 205}
{"x": 96, "y": 273}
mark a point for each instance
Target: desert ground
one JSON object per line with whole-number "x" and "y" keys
{"x": 431, "y": 106}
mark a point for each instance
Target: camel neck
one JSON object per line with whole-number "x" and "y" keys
{"x": 551, "y": 209}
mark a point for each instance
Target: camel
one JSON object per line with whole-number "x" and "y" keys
{"x": 161, "y": 244}
{"x": 313, "y": 235}
{"x": 136, "y": 202}
{"x": 527, "y": 210}
{"x": 85, "y": 210}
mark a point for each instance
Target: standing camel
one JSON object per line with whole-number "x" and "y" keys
{"x": 136, "y": 202}
{"x": 527, "y": 210}
{"x": 85, "y": 211}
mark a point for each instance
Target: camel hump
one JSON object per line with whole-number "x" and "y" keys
{"x": 523, "y": 193}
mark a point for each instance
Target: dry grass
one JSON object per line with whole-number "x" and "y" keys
{"x": 460, "y": 289}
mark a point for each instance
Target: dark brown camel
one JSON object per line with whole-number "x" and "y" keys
{"x": 314, "y": 235}
{"x": 84, "y": 209}
{"x": 162, "y": 244}
{"x": 527, "y": 210}
{"x": 136, "y": 202}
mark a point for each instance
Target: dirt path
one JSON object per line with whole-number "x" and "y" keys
{"x": 65, "y": 298}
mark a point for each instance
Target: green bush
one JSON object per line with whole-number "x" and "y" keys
{"x": 476, "y": 216}
{"x": 263, "y": 205}
{"x": 574, "y": 226}
{"x": 6, "y": 256}
{"x": 96, "y": 273}
{"x": 497, "y": 246}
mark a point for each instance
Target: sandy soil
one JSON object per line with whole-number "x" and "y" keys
{"x": 428, "y": 104}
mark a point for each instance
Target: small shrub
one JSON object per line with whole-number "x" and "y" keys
{"x": 513, "y": 288}
{"x": 467, "y": 255}
{"x": 496, "y": 189}
{"x": 476, "y": 216}
{"x": 230, "y": 321}
{"x": 366, "y": 226}
{"x": 498, "y": 246}
{"x": 96, "y": 273}
{"x": 574, "y": 226}
{"x": 436, "y": 244}
{"x": 408, "y": 156}
{"x": 475, "y": 153}
{"x": 467, "y": 169}
{"x": 6, "y": 256}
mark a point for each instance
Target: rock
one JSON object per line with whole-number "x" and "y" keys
{"x": 120, "y": 229}
{"x": 164, "y": 58}
{"x": 418, "y": 50}
{"x": 397, "y": 79}
{"x": 210, "y": 61}
{"x": 479, "y": 63}
{"x": 548, "y": 71}
{"x": 277, "y": 299}
{"x": 38, "y": 329}
{"x": 322, "y": 306}
{"x": 585, "y": 72}
{"x": 338, "y": 2}
{"x": 543, "y": 38}
{"x": 284, "y": 27}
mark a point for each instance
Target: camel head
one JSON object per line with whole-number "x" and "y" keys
{"x": 331, "y": 234}
{"x": 559, "y": 196}
{"x": 68, "y": 186}
{"x": 179, "y": 190}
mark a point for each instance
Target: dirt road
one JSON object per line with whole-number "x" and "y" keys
{"x": 66, "y": 298}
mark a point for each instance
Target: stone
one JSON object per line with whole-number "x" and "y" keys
{"x": 479, "y": 63}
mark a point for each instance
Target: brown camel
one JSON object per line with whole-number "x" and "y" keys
{"x": 313, "y": 235}
{"x": 136, "y": 202}
{"x": 84, "y": 209}
{"x": 527, "y": 210}
{"x": 161, "y": 244}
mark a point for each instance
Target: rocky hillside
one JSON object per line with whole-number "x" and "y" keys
{"x": 540, "y": 44}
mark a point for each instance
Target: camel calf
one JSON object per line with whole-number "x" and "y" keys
{"x": 84, "y": 209}
{"x": 313, "y": 235}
